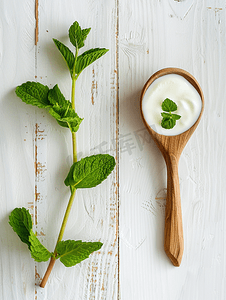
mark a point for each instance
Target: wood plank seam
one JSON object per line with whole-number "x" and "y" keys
{"x": 37, "y": 23}
{"x": 117, "y": 137}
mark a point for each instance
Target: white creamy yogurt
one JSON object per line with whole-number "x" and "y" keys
{"x": 179, "y": 90}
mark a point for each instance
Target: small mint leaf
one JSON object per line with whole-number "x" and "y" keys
{"x": 21, "y": 222}
{"x": 166, "y": 115}
{"x": 56, "y": 97}
{"x": 87, "y": 58}
{"x": 73, "y": 252}
{"x": 168, "y": 105}
{"x": 62, "y": 110}
{"x": 34, "y": 93}
{"x": 85, "y": 32}
{"x": 176, "y": 117}
{"x": 168, "y": 123}
{"x": 77, "y": 35}
{"x": 67, "y": 54}
{"x": 66, "y": 117}
{"x": 38, "y": 251}
{"x": 90, "y": 171}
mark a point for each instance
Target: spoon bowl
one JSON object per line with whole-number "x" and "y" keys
{"x": 171, "y": 148}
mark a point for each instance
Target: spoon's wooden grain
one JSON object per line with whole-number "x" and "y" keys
{"x": 171, "y": 148}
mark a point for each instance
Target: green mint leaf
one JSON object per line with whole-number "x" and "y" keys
{"x": 77, "y": 35}
{"x": 73, "y": 252}
{"x": 166, "y": 115}
{"x": 66, "y": 117}
{"x": 169, "y": 115}
{"x": 90, "y": 171}
{"x": 168, "y": 123}
{"x": 34, "y": 93}
{"x": 85, "y": 32}
{"x": 62, "y": 110}
{"x": 56, "y": 97}
{"x": 169, "y": 120}
{"x": 176, "y": 117}
{"x": 38, "y": 251}
{"x": 67, "y": 54}
{"x": 21, "y": 222}
{"x": 169, "y": 105}
{"x": 87, "y": 58}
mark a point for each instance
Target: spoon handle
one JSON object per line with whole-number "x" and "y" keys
{"x": 174, "y": 242}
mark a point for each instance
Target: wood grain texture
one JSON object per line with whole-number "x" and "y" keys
{"x": 16, "y": 144}
{"x": 35, "y": 154}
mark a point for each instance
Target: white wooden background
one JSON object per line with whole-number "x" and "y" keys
{"x": 126, "y": 212}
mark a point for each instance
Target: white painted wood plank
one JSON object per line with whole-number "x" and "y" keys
{"x": 17, "y": 64}
{"x": 95, "y": 213}
{"x": 190, "y": 35}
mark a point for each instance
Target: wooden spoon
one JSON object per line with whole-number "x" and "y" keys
{"x": 171, "y": 148}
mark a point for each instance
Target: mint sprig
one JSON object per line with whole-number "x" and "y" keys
{"x": 69, "y": 252}
{"x": 169, "y": 119}
{"x": 86, "y": 173}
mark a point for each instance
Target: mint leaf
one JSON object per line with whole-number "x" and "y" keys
{"x": 176, "y": 117}
{"x": 34, "y": 93}
{"x": 21, "y": 222}
{"x": 169, "y": 115}
{"x": 166, "y": 115}
{"x": 168, "y": 123}
{"x": 85, "y": 32}
{"x": 62, "y": 110}
{"x": 87, "y": 58}
{"x": 38, "y": 251}
{"x": 169, "y": 105}
{"x": 66, "y": 117}
{"x": 55, "y": 97}
{"x": 77, "y": 35}
{"x": 90, "y": 171}
{"x": 169, "y": 120}
{"x": 73, "y": 252}
{"x": 67, "y": 54}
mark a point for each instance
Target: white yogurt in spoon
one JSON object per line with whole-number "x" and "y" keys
{"x": 179, "y": 90}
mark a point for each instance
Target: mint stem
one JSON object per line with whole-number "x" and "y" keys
{"x": 66, "y": 215}
{"x": 48, "y": 271}
{"x": 63, "y": 226}
{"x": 74, "y": 143}
{"x": 74, "y": 78}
